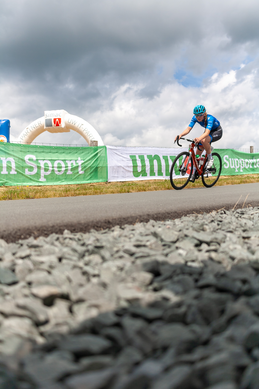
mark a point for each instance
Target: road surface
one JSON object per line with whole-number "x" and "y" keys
{"x": 23, "y": 218}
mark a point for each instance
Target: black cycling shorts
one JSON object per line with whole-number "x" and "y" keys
{"x": 216, "y": 134}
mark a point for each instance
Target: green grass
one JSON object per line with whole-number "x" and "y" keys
{"x": 37, "y": 192}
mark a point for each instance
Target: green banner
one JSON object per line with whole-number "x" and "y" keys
{"x": 236, "y": 162}
{"x": 50, "y": 165}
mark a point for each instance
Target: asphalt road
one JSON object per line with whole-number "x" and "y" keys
{"x": 24, "y": 218}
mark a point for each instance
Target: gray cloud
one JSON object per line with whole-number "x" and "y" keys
{"x": 78, "y": 54}
{"x": 241, "y": 21}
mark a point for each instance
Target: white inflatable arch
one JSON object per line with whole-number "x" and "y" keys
{"x": 60, "y": 121}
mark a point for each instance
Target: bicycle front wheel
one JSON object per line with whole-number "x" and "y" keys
{"x": 181, "y": 170}
{"x": 210, "y": 177}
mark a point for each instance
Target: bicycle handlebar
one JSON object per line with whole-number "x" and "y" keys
{"x": 189, "y": 140}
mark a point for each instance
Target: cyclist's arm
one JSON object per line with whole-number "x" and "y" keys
{"x": 203, "y": 136}
{"x": 185, "y": 132}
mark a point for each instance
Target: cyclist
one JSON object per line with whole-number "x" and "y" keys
{"x": 212, "y": 133}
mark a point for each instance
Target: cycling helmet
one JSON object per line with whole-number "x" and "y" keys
{"x": 199, "y": 109}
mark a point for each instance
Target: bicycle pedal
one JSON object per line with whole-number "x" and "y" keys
{"x": 192, "y": 178}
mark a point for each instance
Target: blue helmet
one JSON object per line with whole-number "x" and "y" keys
{"x": 199, "y": 109}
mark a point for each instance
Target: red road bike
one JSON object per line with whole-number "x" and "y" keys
{"x": 182, "y": 167}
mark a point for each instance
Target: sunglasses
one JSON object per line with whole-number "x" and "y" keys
{"x": 198, "y": 116}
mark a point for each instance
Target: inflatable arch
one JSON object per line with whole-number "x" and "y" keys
{"x": 60, "y": 121}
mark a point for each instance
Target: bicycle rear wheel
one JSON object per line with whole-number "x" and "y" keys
{"x": 210, "y": 177}
{"x": 181, "y": 170}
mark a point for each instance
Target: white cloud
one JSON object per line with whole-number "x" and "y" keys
{"x": 156, "y": 122}
{"x": 218, "y": 84}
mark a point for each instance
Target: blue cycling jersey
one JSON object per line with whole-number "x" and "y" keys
{"x": 212, "y": 122}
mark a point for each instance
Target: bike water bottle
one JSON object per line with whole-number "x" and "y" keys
{"x": 202, "y": 160}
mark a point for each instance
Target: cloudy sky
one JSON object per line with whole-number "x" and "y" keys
{"x": 134, "y": 69}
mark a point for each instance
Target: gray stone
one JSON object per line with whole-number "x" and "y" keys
{"x": 129, "y": 356}
{"x": 253, "y": 302}
{"x": 167, "y": 235}
{"x": 89, "y": 292}
{"x": 9, "y": 308}
{"x": 38, "y": 312}
{"x": 7, "y": 277}
{"x": 49, "y": 260}
{"x": 208, "y": 309}
{"x": 181, "y": 284}
{"x": 82, "y": 311}
{"x": 98, "y": 362}
{"x": 171, "y": 335}
{"x": 50, "y": 369}
{"x": 250, "y": 377}
{"x": 227, "y": 285}
{"x": 142, "y": 278}
{"x": 21, "y": 326}
{"x": 129, "y": 292}
{"x": 23, "y": 269}
{"x": 147, "y": 313}
{"x": 59, "y": 311}
{"x": 224, "y": 385}
{"x": 149, "y": 368}
{"x": 133, "y": 381}
{"x": 255, "y": 353}
{"x": 47, "y": 293}
{"x": 7, "y": 379}
{"x": 177, "y": 378}
{"x": 220, "y": 300}
{"x": 51, "y": 386}
{"x": 38, "y": 277}
{"x": 8, "y": 260}
{"x": 252, "y": 338}
{"x": 241, "y": 272}
{"x": 175, "y": 314}
{"x": 206, "y": 281}
{"x": 194, "y": 316}
{"x": 106, "y": 319}
{"x": 138, "y": 333}
{"x": 76, "y": 277}
{"x": 94, "y": 259}
{"x": 206, "y": 237}
{"x": 216, "y": 369}
{"x": 238, "y": 356}
{"x": 15, "y": 346}
{"x": 3, "y": 243}
{"x": 201, "y": 334}
{"x": 174, "y": 258}
{"x": 93, "y": 380}
{"x": 115, "y": 334}
{"x": 84, "y": 345}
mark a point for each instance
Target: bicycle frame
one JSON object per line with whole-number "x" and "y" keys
{"x": 199, "y": 169}
{"x": 194, "y": 159}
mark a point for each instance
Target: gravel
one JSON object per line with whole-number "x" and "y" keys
{"x": 157, "y": 305}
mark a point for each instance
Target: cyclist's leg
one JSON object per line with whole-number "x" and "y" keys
{"x": 206, "y": 144}
{"x": 215, "y": 136}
